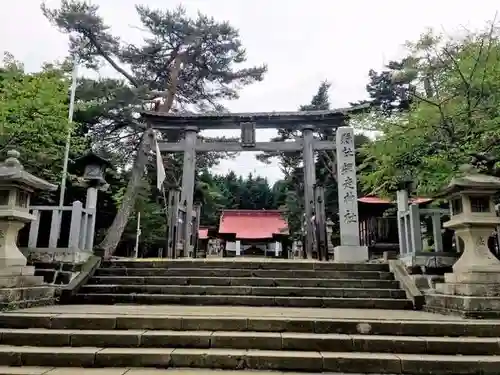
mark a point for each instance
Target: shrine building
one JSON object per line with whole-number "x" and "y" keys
{"x": 253, "y": 232}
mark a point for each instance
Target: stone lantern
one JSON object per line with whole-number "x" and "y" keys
{"x": 473, "y": 289}
{"x": 16, "y": 186}
{"x": 93, "y": 178}
{"x": 93, "y": 169}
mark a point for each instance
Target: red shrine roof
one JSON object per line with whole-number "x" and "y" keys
{"x": 203, "y": 233}
{"x": 253, "y": 224}
{"x": 377, "y": 200}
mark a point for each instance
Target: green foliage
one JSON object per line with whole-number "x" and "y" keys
{"x": 233, "y": 192}
{"x": 153, "y": 219}
{"x": 34, "y": 118}
{"x": 455, "y": 112}
{"x": 388, "y": 96}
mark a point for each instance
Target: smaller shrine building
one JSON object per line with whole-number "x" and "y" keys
{"x": 253, "y": 232}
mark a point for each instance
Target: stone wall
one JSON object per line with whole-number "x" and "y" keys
{"x": 56, "y": 266}
{"x": 22, "y": 289}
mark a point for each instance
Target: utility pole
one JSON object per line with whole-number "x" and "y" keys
{"x": 68, "y": 135}
{"x": 66, "y": 149}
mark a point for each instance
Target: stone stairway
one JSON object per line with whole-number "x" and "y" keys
{"x": 250, "y": 283}
{"x": 182, "y": 316}
{"x": 129, "y": 338}
{"x": 24, "y": 290}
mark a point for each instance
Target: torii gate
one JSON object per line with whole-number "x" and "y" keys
{"x": 305, "y": 121}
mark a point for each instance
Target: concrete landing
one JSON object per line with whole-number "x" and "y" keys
{"x": 136, "y": 371}
{"x": 242, "y": 311}
{"x": 221, "y": 259}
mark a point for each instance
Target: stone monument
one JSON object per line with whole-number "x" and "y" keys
{"x": 349, "y": 249}
{"x": 473, "y": 289}
{"x": 16, "y": 186}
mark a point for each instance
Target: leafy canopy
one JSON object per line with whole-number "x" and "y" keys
{"x": 455, "y": 113}
{"x": 34, "y": 117}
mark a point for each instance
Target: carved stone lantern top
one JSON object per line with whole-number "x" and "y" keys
{"x": 16, "y": 185}
{"x": 473, "y": 182}
{"x": 471, "y": 200}
{"x": 12, "y": 173}
{"x": 93, "y": 168}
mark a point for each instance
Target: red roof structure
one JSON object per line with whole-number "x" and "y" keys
{"x": 203, "y": 233}
{"x": 253, "y": 224}
{"x": 377, "y": 200}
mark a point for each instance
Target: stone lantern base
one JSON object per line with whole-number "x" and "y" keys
{"x": 19, "y": 287}
{"x": 351, "y": 254}
{"x": 474, "y": 293}
{"x": 11, "y": 259}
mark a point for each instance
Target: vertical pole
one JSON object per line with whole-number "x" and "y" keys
{"x": 317, "y": 224}
{"x": 436, "y": 232}
{"x": 321, "y": 223}
{"x": 34, "y": 228}
{"x": 175, "y": 222}
{"x": 168, "y": 202}
{"x": 55, "y": 227}
{"x": 84, "y": 225}
{"x": 91, "y": 207}
{"x": 196, "y": 228}
{"x": 237, "y": 248}
{"x": 75, "y": 226}
{"x": 172, "y": 223}
{"x": 409, "y": 243}
{"x": 402, "y": 202}
{"x": 68, "y": 141}
{"x": 416, "y": 232}
{"x": 137, "y": 235}
{"x": 309, "y": 181}
{"x": 188, "y": 179}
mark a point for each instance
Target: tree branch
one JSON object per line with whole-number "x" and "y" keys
{"x": 330, "y": 164}
{"x": 108, "y": 58}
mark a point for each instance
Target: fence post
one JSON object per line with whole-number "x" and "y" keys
{"x": 436, "y": 232}
{"x": 55, "y": 226}
{"x": 415, "y": 230}
{"x": 34, "y": 228}
{"x": 402, "y": 202}
{"x": 82, "y": 244}
{"x": 76, "y": 222}
{"x": 91, "y": 209}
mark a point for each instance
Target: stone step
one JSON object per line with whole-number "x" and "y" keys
{"x": 247, "y": 264}
{"x": 239, "y": 300}
{"x": 32, "y": 370}
{"x": 238, "y": 359}
{"x": 25, "y": 293}
{"x": 24, "y": 304}
{"x": 20, "y": 281}
{"x": 421, "y": 328}
{"x": 244, "y": 291}
{"x": 221, "y": 272}
{"x": 245, "y": 281}
{"x": 251, "y": 340}
{"x": 14, "y": 298}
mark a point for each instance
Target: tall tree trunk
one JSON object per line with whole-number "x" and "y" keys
{"x": 115, "y": 231}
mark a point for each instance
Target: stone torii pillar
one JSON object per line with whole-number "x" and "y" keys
{"x": 309, "y": 182}
{"x": 188, "y": 180}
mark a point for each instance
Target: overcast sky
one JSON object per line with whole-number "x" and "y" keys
{"x": 302, "y": 41}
